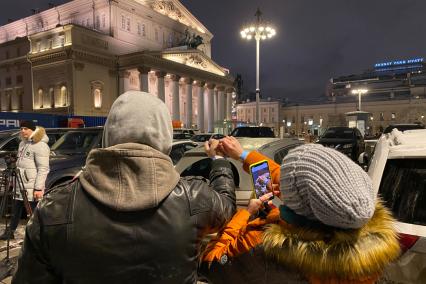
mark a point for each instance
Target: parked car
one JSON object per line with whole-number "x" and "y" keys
{"x": 9, "y": 139}
{"x": 403, "y": 127}
{"x": 179, "y": 148}
{"x": 196, "y": 163}
{"x": 201, "y": 138}
{"x": 253, "y": 132}
{"x": 181, "y": 136}
{"x": 69, "y": 153}
{"x": 347, "y": 140}
{"x": 398, "y": 172}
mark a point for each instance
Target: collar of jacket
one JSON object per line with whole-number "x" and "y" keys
{"x": 38, "y": 134}
{"x": 129, "y": 177}
{"x": 335, "y": 253}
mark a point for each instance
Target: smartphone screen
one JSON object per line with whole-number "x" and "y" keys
{"x": 261, "y": 177}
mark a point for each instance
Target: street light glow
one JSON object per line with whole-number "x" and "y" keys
{"x": 359, "y": 92}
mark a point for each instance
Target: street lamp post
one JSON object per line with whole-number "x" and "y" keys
{"x": 259, "y": 31}
{"x": 359, "y": 92}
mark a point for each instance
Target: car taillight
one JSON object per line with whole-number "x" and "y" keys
{"x": 407, "y": 241}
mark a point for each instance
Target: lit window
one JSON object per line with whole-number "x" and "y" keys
{"x": 393, "y": 116}
{"x": 128, "y": 25}
{"x": 97, "y": 98}
{"x": 98, "y": 22}
{"x": 103, "y": 21}
{"x": 40, "y": 98}
{"x": 63, "y": 97}
{"x": 52, "y": 97}
{"x": 382, "y": 116}
{"x": 123, "y": 22}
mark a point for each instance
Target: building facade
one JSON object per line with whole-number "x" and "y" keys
{"x": 269, "y": 114}
{"x": 77, "y": 58}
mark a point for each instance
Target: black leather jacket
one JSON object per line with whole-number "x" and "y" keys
{"x": 74, "y": 238}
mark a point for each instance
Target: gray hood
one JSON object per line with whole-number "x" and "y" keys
{"x": 129, "y": 177}
{"x": 139, "y": 117}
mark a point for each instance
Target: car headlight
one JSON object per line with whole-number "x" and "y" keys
{"x": 347, "y": 146}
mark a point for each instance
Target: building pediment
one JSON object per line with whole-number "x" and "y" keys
{"x": 194, "y": 59}
{"x": 176, "y": 11}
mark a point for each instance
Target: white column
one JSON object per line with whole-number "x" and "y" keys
{"x": 221, "y": 103}
{"x": 200, "y": 106}
{"x": 160, "y": 85}
{"x": 123, "y": 81}
{"x": 210, "y": 96}
{"x": 143, "y": 78}
{"x": 228, "y": 104}
{"x": 188, "y": 82}
{"x": 176, "y": 107}
{"x": 215, "y": 101}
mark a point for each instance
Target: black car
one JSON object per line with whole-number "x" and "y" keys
{"x": 9, "y": 139}
{"x": 253, "y": 132}
{"x": 347, "y": 140}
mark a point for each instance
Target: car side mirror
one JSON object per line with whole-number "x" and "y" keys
{"x": 363, "y": 160}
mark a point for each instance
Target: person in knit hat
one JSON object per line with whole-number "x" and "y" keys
{"x": 331, "y": 228}
{"x": 128, "y": 217}
{"x": 32, "y": 162}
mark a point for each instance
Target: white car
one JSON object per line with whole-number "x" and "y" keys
{"x": 196, "y": 163}
{"x": 398, "y": 172}
{"x": 179, "y": 148}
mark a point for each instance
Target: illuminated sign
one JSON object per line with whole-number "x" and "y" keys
{"x": 398, "y": 62}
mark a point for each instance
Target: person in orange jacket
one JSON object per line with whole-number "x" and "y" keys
{"x": 331, "y": 228}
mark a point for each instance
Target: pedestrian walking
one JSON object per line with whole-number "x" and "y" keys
{"x": 330, "y": 229}
{"x": 129, "y": 217}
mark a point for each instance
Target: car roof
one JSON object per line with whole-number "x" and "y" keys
{"x": 248, "y": 144}
{"x": 403, "y": 126}
{"x": 410, "y": 144}
{"x": 177, "y": 142}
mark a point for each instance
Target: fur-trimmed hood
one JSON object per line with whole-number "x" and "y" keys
{"x": 334, "y": 253}
{"x": 39, "y": 134}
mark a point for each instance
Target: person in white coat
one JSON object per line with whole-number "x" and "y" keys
{"x": 33, "y": 164}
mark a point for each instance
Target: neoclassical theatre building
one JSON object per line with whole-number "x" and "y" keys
{"x": 77, "y": 58}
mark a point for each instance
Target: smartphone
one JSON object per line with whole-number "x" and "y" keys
{"x": 260, "y": 176}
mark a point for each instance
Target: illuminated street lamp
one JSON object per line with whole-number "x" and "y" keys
{"x": 359, "y": 92}
{"x": 258, "y": 30}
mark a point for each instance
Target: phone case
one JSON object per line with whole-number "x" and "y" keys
{"x": 258, "y": 186}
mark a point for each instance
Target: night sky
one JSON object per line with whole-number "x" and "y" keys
{"x": 315, "y": 40}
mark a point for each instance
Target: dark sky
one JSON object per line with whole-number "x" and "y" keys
{"x": 316, "y": 39}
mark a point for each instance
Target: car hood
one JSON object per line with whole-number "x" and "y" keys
{"x": 335, "y": 141}
{"x": 60, "y": 162}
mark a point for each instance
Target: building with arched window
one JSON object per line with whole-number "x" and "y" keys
{"x": 120, "y": 45}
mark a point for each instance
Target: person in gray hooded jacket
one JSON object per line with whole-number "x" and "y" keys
{"x": 128, "y": 217}
{"x": 33, "y": 165}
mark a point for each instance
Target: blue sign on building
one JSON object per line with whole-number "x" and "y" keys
{"x": 398, "y": 62}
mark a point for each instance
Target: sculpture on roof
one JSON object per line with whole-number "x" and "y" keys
{"x": 191, "y": 41}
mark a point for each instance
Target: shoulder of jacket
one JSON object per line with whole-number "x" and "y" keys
{"x": 56, "y": 206}
{"x": 198, "y": 192}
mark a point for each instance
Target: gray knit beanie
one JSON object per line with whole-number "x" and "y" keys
{"x": 139, "y": 117}
{"x": 323, "y": 184}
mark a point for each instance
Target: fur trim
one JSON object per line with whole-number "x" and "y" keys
{"x": 343, "y": 254}
{"x": 38, "y": 134}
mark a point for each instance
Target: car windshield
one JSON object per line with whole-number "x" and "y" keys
{"x": 342, "y": 133}
{"x": 403, "y": 189}
{"x": 75, "y": 142}
{"x": 180, "y": 136}
{"x": 4, "y": 136}
{"x": 252, "y": 132}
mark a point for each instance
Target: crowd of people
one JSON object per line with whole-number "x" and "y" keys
{"x": 129, "y": 217}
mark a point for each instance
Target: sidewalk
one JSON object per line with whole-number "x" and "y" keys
{"x": 14, "y": 249}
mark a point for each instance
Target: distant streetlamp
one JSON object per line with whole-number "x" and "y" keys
{"x": 359, "y": 92}
{"x": 258, "y": 30}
